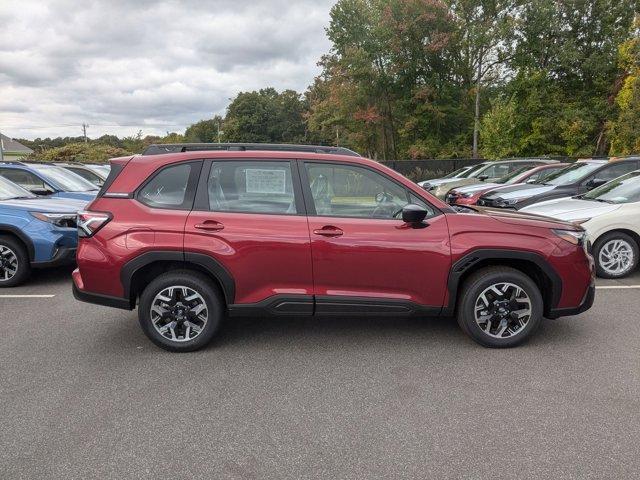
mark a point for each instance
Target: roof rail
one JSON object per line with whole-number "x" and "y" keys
{"x": 159, "y": 149}
{"x": 12, "y": 162}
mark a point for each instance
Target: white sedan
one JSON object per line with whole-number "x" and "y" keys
{"x": 611, "y": 216}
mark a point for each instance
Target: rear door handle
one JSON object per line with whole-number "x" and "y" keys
{"x": 328, "y": 231}
{"x": 209, "y": 226}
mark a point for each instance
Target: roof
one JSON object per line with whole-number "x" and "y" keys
{"x": 9, "y": 145}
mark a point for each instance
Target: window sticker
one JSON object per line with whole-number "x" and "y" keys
{"x": 265, "y": 181}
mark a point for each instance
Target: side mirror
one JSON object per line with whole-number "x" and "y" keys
{"x": 40, "y": 191}
{"x": 482, "y": 178}
{"x": 595, "y": 182}
{"x": 413, "y": 214}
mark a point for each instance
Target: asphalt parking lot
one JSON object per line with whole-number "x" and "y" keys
{"x": 86, "y": 395}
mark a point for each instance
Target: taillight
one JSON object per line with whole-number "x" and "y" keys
{"x": 90, "y": 222}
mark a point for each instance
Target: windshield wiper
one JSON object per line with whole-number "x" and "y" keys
{"x": 602, "y": 200}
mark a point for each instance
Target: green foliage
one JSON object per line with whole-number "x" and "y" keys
{"x": 625, "y": 129}
{"x": 205, "y": 131}
{"x": 440, "y": 78}
{"x": 81, "y": 152}
{"x": 265, "y": 116}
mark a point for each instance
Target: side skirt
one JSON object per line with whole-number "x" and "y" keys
{"x": 330, "y": 305}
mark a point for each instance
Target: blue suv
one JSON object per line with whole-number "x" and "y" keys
{"x": 35, "y": 232}
{"x": 45, "y": 179}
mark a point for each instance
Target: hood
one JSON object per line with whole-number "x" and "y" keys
{"x": 86, "y": 196}
{"x": 477, "y": 187}
{"x": 521, "y": 190}
{"x": 48, "y": 205}
{"x": 436, "y": 182}
{"x": 571, "y": 209}
{"x": 529, "y": 219}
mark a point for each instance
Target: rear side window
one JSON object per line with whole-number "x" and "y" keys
{"x": 170, "y": 187}
{"x": 24, "y": 178}
{"x": 251, "y": 187}
{"x": 615, "y": 171}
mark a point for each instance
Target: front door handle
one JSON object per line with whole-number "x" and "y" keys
{"x": 328, "y": 231}
{"x": 209, "y": 226}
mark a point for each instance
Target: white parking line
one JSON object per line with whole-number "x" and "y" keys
{"x": 27, "y": 296}
{"x": 617, "y": 287}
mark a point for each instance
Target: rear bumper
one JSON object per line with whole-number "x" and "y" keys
{"x": 96, "y": 298}
{"x": 586, "y": 304}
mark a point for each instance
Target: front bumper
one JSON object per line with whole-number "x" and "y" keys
{"x": 586, "y": 304}
{"x": 62, "y": 256}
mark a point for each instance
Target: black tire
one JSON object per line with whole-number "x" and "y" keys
{"x": 192, "y": 280}
{"x": 476, "y": 284}
{"x": 606, "y": 238}
{"x": 18, "y": 250}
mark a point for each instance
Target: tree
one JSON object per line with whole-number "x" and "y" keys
{"x": 206, "y": 131}
{"x": 386, "y": 87}
{"x": 265, "y": 116}
{"x": 485, "y": 28}
{"x": 625, "y": 129}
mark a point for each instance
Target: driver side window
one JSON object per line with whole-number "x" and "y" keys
{"x": 352, "y": 191}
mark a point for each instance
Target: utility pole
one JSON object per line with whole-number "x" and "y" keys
{"x": 84, "y": 131}
{"x": 1, "y": 149}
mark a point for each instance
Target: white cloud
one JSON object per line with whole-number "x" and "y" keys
{"x": 125, "y": 65}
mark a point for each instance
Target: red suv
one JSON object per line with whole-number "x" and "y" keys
{"x": 193, "y": 234}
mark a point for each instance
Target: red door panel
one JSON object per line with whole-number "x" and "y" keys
{"x": 265, "y": 254}
{"x": 380, "y": 258}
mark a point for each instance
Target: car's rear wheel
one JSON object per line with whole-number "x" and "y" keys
{"x": 499, "y": 307}
{"x": 14, "y": 262}
{"x": 616, "y": 255}
{"x": 180, "y": 311}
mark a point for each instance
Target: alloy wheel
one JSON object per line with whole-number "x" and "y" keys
{"x": 503, "y": 310}
{"x": 616, "y": 257}
{"x": 8, "y": 263}
{"x": 179, "y": 313}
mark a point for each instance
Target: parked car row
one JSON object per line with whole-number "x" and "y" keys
{"x": 39, "y": 204}
{"x": 569, "y": 192}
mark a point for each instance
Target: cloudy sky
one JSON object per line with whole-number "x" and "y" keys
{"x": 124, "y": 65}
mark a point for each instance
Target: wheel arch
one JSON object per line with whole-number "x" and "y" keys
{"x": 531, "y": 264}
{"x": 19, "y": 235}
{"x": 139, "y": 271}
{"x": 633, "y": 234}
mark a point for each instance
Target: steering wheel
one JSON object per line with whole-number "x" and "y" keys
{"x": 385, "y": 207}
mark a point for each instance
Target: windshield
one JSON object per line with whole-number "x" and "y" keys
{"x": 510, "y": 177}
{"x": 472, "y": 170}
{"x": 625, "y": 189}
{"x": 569, "y": 175}
{"x": 457, "y": 173}
{"x": 69, "y": 181}
{"x": 100, "y": 169}
{"x": 9, "y": 190}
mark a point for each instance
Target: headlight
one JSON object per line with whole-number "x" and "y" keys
{"x": 501, "y": 202}
{"x": 65, "y": 220}
{"x": 572, "y": 236}
{"x": 466, "y": 195}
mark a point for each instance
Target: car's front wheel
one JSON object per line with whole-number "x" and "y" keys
{"x": 14, "y": 262}
{"x": 616, "y": 255}
{"x": 499, "y": 307}
{"x": 180, "y": 311}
